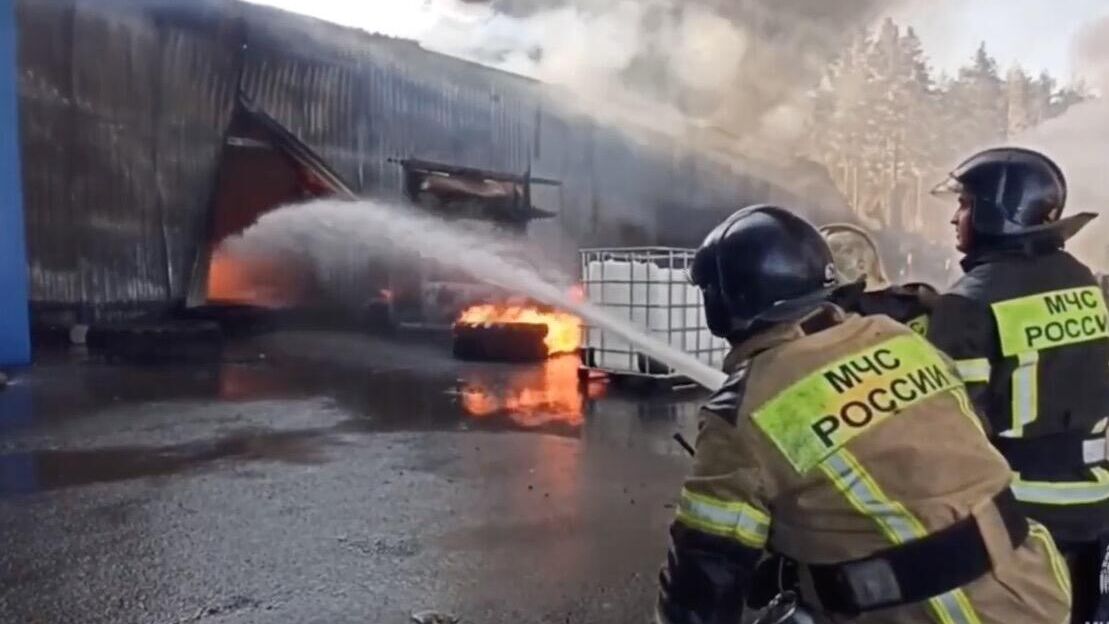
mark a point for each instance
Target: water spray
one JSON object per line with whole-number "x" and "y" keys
{"x": 378, "y": 228}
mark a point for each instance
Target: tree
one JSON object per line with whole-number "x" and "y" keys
{"x": 885, "y": 127}
{"x": 975, "y": 103}
{"x": 1019, "y": 102}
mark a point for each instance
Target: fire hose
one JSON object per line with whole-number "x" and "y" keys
{"x": 785, "y": 608}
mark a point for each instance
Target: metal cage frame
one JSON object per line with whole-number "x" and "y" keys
{"x": 711, "y": 351}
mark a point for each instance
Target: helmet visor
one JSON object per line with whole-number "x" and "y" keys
{"x": 947, "y": 188}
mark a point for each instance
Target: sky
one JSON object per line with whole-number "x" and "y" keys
{"x": 1037, "y": 34}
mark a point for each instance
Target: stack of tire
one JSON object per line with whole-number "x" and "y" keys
{"x": 156, "y": 341}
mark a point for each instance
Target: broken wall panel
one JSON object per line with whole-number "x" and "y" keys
{"x": 124, "y": 104}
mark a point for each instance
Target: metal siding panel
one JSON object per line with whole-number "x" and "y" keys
{"x": 198, "y": 77}
{"x": 125, "y": 102}
{"x": 120, "y": 161}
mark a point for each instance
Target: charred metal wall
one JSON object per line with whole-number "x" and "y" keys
{"x": 124, "y": 105}
{"x": 122, "y": 115}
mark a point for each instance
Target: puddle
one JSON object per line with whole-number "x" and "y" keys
{"x": 374, "y": 385}
{"x": 48, "y": 469}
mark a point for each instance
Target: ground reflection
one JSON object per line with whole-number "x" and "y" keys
{"x": 532, "y": 397}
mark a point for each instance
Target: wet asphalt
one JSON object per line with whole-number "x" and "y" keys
{"x": 330, "y": 478}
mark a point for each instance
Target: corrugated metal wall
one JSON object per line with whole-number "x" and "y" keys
{"x": 124, "y": 103}
{"x": 122, "y": 116}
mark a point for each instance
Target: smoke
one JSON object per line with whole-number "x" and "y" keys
{"x": 337, "y": 242}
{"x": 328, "y": 231}
{"x": 738, "y": 66}
{"x": 1079, "y": 142}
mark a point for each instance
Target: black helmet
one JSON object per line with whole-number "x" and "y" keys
{"x": 763, "y": 263}
{"x": 1015, "y": 192}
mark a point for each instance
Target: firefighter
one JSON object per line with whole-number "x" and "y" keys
{"x": 1026, "y": 325}
{"x": 857, "y": 260}
{"x": 846, "y": 446}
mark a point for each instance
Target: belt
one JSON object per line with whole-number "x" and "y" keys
{"x": 916, "y": 570}
{"x": 1058, "y": 452}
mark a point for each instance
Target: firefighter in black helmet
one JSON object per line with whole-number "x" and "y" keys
{"x": 1026, "y": 325}
{"x": 845, "y": 447}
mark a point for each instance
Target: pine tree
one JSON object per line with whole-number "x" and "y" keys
{"x": 1019, "y": 105}
{"x": 975, "y": 98}
{"x": 922, "y": 138}
{"x": 1040, "y": 97}
{"x": 885, "y": 127}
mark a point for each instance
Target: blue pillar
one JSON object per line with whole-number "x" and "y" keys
{"x": 15, "y": 339}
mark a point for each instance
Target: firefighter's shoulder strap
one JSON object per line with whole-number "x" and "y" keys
{"x": 815, "y": 417}
{"x": 918, "y": 570}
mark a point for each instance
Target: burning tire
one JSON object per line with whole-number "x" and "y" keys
{"x": 514, "y": 333}
{"x": 516, "y": 342}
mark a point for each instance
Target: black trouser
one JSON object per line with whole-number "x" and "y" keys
{"x": 1089, "y": 572}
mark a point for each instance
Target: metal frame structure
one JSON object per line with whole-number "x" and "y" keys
{"x": 597, "y": 342}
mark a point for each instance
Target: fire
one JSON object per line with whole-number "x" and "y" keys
{"x": 564, "y": 330}
{"x": 534, "y": 398}
{"x": 577, "y": 293}
{"x": 257, "y": 281}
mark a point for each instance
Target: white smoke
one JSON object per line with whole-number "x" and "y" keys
{"x": 741, "y": 67}
{"x": 337, "y": 241}
{"x": 1079, "y": 142}
{"x": 328, "y": 231}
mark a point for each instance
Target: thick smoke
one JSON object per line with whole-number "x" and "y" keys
{"x": 738, "y": 66}
{"x": 1079, "y": 142}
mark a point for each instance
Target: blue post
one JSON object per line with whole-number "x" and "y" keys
{"x": 15, "y": 338}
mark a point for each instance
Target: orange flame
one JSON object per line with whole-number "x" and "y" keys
{"x": 577, "y": 293}
{"x": 563, "y": 330}
{"x": 531, "y": 398}
{"x": 264, "y": 282}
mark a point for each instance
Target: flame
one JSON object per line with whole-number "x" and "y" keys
{"x": 563, "y": 330}
{"x": 532, "y": 398}
{"x": 257, "y": 281}
{"x": 577, "y": 293}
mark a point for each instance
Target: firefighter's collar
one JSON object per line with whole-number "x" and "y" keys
{"x": 1028, "y": 249}
{"x": 820, "y": 318}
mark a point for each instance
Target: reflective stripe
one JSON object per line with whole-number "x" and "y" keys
{"x": 964, "y": 406}
{"x": 1025, "y": 392}
{"x": 730, "y": 519}
{"x": 1094, "y": 451}
{"x": 898, "y": 525}
{"x": 895, "y": 521}
{"x": 1065, "y": 492}
{"x": 1058, "y": 565}
{"x": 954, "y": 607}
{"x": 973, "y": 371}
